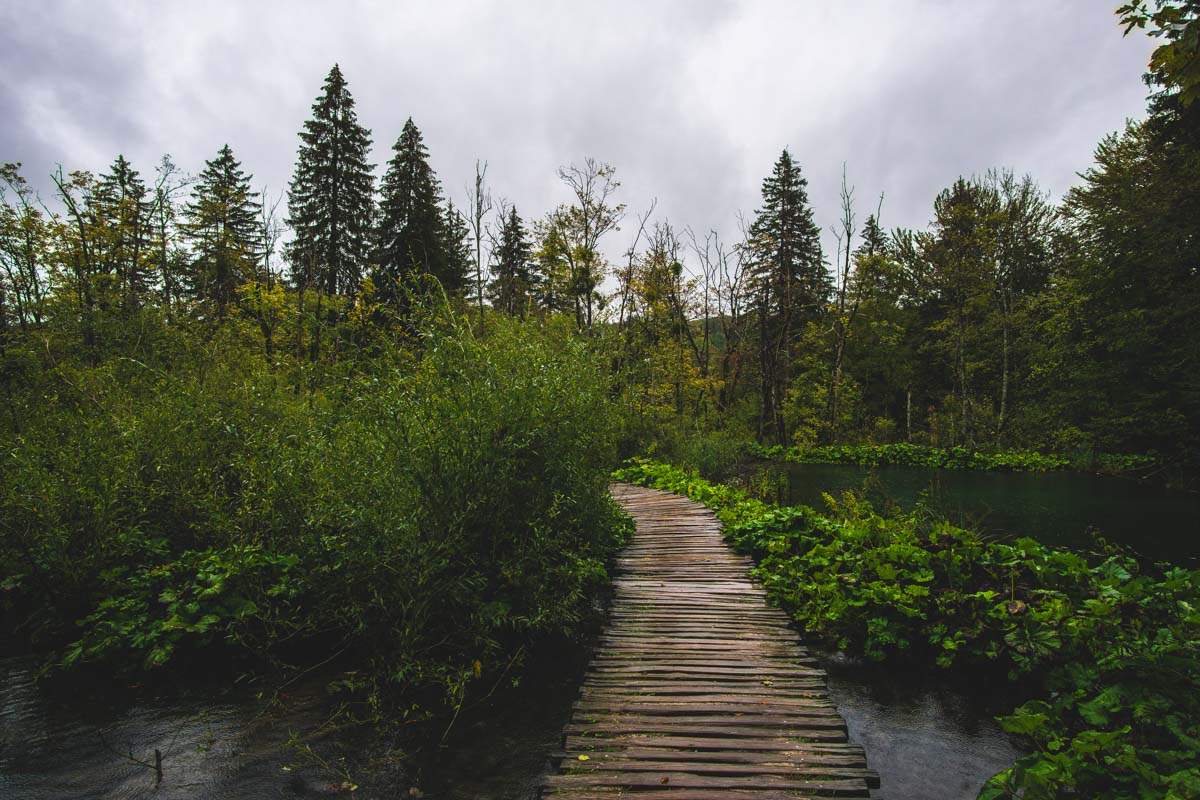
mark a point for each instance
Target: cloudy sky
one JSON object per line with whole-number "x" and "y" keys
{"x": 691, "y": 101}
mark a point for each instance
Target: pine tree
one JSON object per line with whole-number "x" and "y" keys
{"x": 874, "y": 240}
{"x": 330, "y": 200}
{"x": 222, "y": 221}
{"x": 410, "y": 234}
{"x": 120, "y": 213}
{"x": 457, "y": 260}
{"x": 510, "y": 289}
{"x": 789, "y": 278}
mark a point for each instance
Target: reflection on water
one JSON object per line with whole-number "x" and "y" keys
{"x": 1057, "y": 508}
{"x": 926, "y": 739}
{"x": 61, "y": 741}
{"x": 501, "y": 748}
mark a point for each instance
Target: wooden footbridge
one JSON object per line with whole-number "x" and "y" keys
{"x": 698, "y": 689}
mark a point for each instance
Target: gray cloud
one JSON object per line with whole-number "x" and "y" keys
{"x": 691, "y": 101}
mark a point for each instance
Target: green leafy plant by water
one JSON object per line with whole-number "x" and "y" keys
{"x": 1112, "y": 646}
{"x": 422, "y": 513}
{"x": 912, "y": 455}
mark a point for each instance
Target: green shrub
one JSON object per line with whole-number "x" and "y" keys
{"x": 420, "y": 511}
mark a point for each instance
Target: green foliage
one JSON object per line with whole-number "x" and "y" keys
{"x": 1174, "y": 64}
{"x": 911, "y": 455}
{"x": 1113, "y": 646}
{"x": 331, "y": 198}
{"x": 224, "y": 220}
{"x": 417, "y": 510}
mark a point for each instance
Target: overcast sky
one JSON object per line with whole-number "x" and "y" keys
{"x": 691, "y": 101}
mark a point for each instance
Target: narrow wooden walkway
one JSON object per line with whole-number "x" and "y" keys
{"x": 698, "y": 688}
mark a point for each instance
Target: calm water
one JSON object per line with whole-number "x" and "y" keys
{"x": 1057, "y": 508}
{"x": 61, "y": 741}
{"x": 926, "y": 738}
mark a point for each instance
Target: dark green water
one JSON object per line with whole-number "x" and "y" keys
{"x": 80, "y": 740}
{"x": 1063, "y": 509}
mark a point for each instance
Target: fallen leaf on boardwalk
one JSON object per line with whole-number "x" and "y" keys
{"x": 585, "y": 758}
{"x": 665, "y": 780}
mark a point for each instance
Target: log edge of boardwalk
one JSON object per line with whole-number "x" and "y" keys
{"x": 698, "y": 688}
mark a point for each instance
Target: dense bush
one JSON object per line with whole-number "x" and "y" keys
{"x": 1115, "y": 647}
{"x": 420, "y": 513}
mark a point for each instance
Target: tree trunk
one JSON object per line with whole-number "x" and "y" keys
{"x": 908, "y": 414}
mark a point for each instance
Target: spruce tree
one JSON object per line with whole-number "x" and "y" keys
{"x": 874, "y": 239}
{"x": 331, "y": 197}
{"x": 457, "y": 260}
{"x": 410, "y": 235}
{"x": 510, "y": 289}
{"x": 120, "y": 215}
{"x": 786, "y": 242}
{"x": 790, "y": 281}
{"x": 223, "y": 223}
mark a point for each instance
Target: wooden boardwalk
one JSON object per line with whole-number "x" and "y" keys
{"x": 698, "y": 689}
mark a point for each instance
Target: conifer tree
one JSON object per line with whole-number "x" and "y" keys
{"x": 331, "y": 197}
{"x": 510, "y": 289}
{"x": 410, "y": 234}
{"x": 789, "y": 279}
{"x": 223, "y": 223}
{"x": 120, "y": 214}
{"x": 457, "y": 259}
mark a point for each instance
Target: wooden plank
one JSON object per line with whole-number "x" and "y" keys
{"x": 699, "y": 688}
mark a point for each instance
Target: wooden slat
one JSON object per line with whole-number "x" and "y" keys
{"x": 698, "y": 688}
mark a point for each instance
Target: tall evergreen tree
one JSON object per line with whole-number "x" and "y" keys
{"x": 510, "y": 289}
{"x": 410, "y": 234}
{"x": 457, "y": 261}
{"x": 789, "y": 279}
{"x": 331, "y": 197}
{"x": 120, "y": 213}
{"x": 223, "y": 222}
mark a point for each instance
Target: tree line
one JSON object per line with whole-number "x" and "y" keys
{"x": 1009, "y": 321}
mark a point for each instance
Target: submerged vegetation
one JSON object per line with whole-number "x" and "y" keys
{"x": 1112, "y": 646}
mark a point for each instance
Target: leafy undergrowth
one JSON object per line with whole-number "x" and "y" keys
{"x": 1113, "y": 646}
{"x": 420, "y": 516}
{"x": 912, "y": 455}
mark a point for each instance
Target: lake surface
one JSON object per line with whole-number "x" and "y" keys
{"x": 1065, "y": 509}
{"x": 926, "y": 736}
{"x": 68, "y": 739}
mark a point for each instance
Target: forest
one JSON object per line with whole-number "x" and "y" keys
{"x": 363, "y": 425}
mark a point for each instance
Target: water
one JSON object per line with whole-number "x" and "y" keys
{"x": 1057, "y": 508}
{"x": 501, "y": 748}
{"x": 85, "y": 739}
{"x": 926, "y": 737}
{"x": 62, "y": 740}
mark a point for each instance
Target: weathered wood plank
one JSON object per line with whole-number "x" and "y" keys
{"x": 699, "y": 688}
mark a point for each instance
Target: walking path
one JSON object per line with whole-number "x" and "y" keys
{"x": 699, "y": 689}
